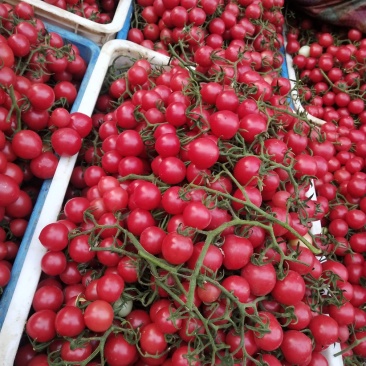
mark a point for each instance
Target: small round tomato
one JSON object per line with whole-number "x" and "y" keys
{"x": 48, "y": 297}
{"x": 27, "y": 144}
{"x": 110, "y": 287}
{"x": 296, "y": 347}
{"x": 289, "y": 290}
{"x": 53, "y": 263}
{"x": 119, "y": 352}
{"x": 147, "y": 196}
{"x": 41, "y": 96}
{"x": 9, "y": 190}
{"x": 196, "y": 215}
{"x": 152, "y": 339}
{"x": 272, "y": 339}
{"x": 54, "y": 236}
{"x": 79, "y": 353}
{"x": 261, "y": 278}
{"x": 41, "y": 326}
{"x": 238, "y": 286}
{"x": 237, "y": 252}
{"x": 203, "y": 152}
{"x": 176, "y": 248}
{"x": 98, "y": 316}
{"x": 69, "y": 321}
{"x": 324, "y": 329}
{"x": 66, "y": 141}
{"x": 166, "y": 321}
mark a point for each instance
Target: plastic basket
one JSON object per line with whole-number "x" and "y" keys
{"x": 90, "y": 52}
{"x": 22, "y": 288}
{"x": 98, "y": 33}
{"x": 296, "y": 103}
{"x": 10, "y": 335}
{"x": 122, "y": 34}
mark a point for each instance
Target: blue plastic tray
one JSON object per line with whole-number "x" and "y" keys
{"x": 122, "y": 34}
{"x": 90, "y": 52}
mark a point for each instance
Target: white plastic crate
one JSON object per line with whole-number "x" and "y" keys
{"x": 335, "y": 348}
{"x": 296, "y": 103}
{"x": 20, "y": 305}
{"x": 98, "y": 33}
{"x": 21, "y": 301}
{"x": 90, "y": 52}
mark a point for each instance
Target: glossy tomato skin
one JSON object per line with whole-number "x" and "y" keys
{"x": 54, "y": 236}
{"x": 81, "y": 353}
{"x": 303, "y": 316}
{"x": 118, "y": 352}
{"x": 152, "y": 339}
{"x": 179, "y": 357}
{"x": 27, "y": 144}
{"x": 324, "y": 330}
{"x": 98, "y": 316}
{"x": 9, "y": 190}
{"x": 69, "y": 321}
{"x": 24, "y": 355}
{"x": 261, "y": 279}
{"x": 48, "y": 297}
{"x": 66, "y": 141}
{"x": 289, "y": 290}
{"x": 296, "y": 347}
{"x": 176, "y": 248}
{"x": 273, "y": 339}
{"x": 41, "y": 326}
{"x": 237, "y": 252}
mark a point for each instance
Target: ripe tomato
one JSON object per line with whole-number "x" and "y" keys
{"x": 296, "y": 347}
{"x": 179, "y": 357}
{"x": 272, "y": 339}
{"x": 176, "y": 248}
{"x": 237, "y": 252}
{"x": 152, "y": 339}
{"x": 41, "y": 326}
{"x": 48, "y": 297}
{"x": 238, "y": 286}
{"x": 110, "y": 287}
{"x": 119, "y": 352}
{"x": 69, "y": 321}
{"x": 261, "y": 279}
{"x": 41, "y": 96}
{"x": 324, "y": 330}
{"x": 54, "y": 236}
{"x": 203, "y": 152}
{"x": 9, "y": 190}
{"x": 98, "y": 316}
{"x": 27, "y": 144}
{"x": 66, "y": 141}
{"x": 290, "y": 290}
{"x": 80, "y": 353}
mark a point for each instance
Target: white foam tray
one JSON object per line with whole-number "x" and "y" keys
{"x": 98, "y": 33}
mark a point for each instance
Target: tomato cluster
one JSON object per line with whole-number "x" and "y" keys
{"x": 206, "y": 26}
{"x": 97, "y": 11}
{"x": 331, "y": 66}
{"x": 39, "y": 76}
{"x": 186, "y": 233}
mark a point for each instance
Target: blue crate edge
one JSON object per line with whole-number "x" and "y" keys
{"x": 122, "y": 34}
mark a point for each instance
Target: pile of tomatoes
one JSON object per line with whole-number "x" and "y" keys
{"x": 186, "y": 234}
{"x": 39, "y": 76}
{"x": 101, "y": 12}
{"x": 331, "y": 67}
